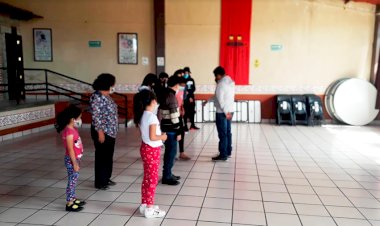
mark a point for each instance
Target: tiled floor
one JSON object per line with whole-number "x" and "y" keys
{"x": 284, "y": 176}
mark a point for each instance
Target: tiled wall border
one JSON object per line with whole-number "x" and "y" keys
{"x": 208, "y": 89}
{"x": 20, "y": 117}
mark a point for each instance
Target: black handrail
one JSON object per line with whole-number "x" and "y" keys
{"x": 61, "y": 75}
{"x": 68, "y": 77}
{"x": 84, "y": 98}
{"x": 57, "y": 73}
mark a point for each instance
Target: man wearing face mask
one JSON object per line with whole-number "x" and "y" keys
{"x": 104, "y": 128}
{"x": 168, "y": 114}
{"x": 224, "y": 101}
{"x": 189, "y": 101}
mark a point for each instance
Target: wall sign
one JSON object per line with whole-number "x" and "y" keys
{"x": 160, "y": 61}
{"x": 94, "y": 44}
{"x": 276, "y": 47}
{"x": 127, "y": 48}
{"x": 42, "y": 43}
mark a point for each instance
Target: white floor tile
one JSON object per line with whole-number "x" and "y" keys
{"x": 218, "y": 203}
{"x": 275, "y": 219}
{"x": 80, "y": 219}
{"x": 219, "y": 193}
{"x": 372, "y": 214}
{"x": 305, "y": 199}
{"x": 113, "y": 220}
{"x": 351, "y": 222}
{"x": 173, "y": 222}
{"x": 16, "y": 215}
{"x": 314, "y": 210}
{"x": 183, "y": 213}
{"x": 276, "y": 197}
{"x": 215, "y": 215}
{"x": 276, "y": 207}
{"x": 276, "y": 165}
{"x": 35, "y": 203}
{"x": 193, "y": 201}
{"x": 204, "y": 223}
{"x": 45, "y": 217}
{"x": 365, "y": 202}
{"x": 105, "y": 196}
{"x": 134, "y": 221}
{"x": 248, "y": 218}
{"x": 344, "y": 212}
{"x": 317, "y": 221}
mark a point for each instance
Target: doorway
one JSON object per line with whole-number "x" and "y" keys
{"x": 15, "y": 66}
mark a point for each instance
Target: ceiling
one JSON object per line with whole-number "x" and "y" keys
{"x": 376, "y": 2}
{"x": 16, "y": 13}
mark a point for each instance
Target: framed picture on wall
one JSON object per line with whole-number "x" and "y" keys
{"x": 42, "y": 44}
{"x": 127, "y": 48}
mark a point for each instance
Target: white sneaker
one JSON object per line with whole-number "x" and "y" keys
{"x": 143, "y": 207}
{"x": 154, "y": 213}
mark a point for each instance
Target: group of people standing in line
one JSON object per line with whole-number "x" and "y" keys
{"x": 162, "y": 108}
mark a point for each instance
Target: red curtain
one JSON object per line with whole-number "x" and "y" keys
{"x": 235, "y": 39}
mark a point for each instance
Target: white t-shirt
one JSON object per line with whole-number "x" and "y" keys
{"x": 149, "y": 118}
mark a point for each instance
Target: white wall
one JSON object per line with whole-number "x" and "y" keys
{"x": 74, "y": 23}
{"x": 322, "y": 40}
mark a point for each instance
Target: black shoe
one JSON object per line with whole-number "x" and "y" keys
{"x": 219, "y": 158}
{"x": 174, "y": 177}
{"x": 105, "y": 187}
{"x": 111, "y": 183}
{"x": 186, "y": 129}
{"x": 73, "y": 208}
{"x": 170, "y": 182}
{"x": 79, "y": 202}
{"x": 194, "y": 128}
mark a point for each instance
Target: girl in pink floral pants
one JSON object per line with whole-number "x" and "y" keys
{"x": 144, "y": 108}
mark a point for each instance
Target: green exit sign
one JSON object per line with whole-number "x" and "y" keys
{"x": 276, "y": 47}
{"x": 94, "y": 44}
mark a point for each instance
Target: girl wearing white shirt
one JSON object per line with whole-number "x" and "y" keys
{"x": 144, "y": 106}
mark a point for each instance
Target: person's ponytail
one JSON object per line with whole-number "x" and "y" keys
{"x": 138, "y": 109}
{"x": 141, "y": 100}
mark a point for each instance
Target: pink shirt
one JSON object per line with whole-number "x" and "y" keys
{"x": 78, "y": 146}
{"x": 179, "y": 96}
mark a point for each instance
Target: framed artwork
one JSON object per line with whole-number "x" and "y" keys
{"x": 127, "y": 48}
{"x": 42, "y": 44}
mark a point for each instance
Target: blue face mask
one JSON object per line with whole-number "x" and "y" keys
{"x": 186, "y": 76}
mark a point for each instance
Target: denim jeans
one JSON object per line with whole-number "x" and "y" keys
{"x": 225, "y": 136}
{"x": 169, "y": 156}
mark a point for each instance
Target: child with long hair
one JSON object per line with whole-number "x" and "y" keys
{"x": 144, "y": 106}
{"x": 66, "y": 124}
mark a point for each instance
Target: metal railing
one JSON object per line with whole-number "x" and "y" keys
{"x": 47, "y": 82}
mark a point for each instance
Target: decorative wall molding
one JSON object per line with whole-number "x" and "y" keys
{"x": 15, "y": 118}
{"x": 209, "y": 89}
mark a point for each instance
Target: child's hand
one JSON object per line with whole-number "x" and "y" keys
{"x": 164, "y": 137}
{"x": 179, "y": 137}
{"x": 76, "y": 167}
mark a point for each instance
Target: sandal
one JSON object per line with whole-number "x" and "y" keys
{"x": 73, "y": 208}
{"x": 79, "y": 203}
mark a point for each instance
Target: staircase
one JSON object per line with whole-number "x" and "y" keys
{"x": 44, "y": 84}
